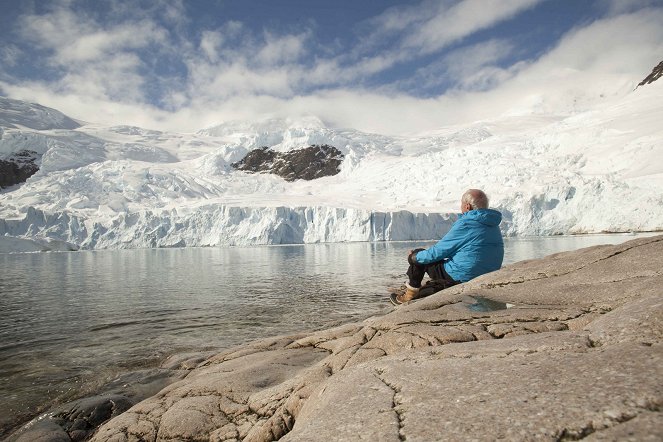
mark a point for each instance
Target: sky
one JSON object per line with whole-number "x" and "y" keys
{"x": 384, "y": 66}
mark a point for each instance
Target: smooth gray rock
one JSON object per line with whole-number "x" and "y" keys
{"x": 562, "y": 348}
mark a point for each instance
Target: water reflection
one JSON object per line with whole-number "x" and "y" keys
{"x": 479, "y": 304}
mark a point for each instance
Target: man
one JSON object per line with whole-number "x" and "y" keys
{"x": 471, "y": 248}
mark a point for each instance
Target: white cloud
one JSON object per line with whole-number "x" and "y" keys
{"x": 617, "y": 7}
{"x": 94, "y": 61}
{"x": 452, "y": 23}
{"x": 9, "y": 55}
{"x": 587, "y": 62}
{"x": 117, "y": 79}
{"x": 431, "y": 25}
{"x": 75, "y": 38}
{"x": 423, "y": 29}
{"x": 246, "y": 67}
{"x": 279, "y": 50}
{"x": 606, "y": 58}
{"x": 239, "y": 80}
{"x": 469, "y": 68}
{"x": 210, "y": 42}
{"x": 99, "y": 44}
{"x": 233, "y": 73}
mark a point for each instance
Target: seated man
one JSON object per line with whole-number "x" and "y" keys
{"x": 471, "y": 248}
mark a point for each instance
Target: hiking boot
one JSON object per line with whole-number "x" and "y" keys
{"x": 409, "y": 294}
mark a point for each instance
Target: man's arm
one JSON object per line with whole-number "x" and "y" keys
{"x": 446, "y": 247}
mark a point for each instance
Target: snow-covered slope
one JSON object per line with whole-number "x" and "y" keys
{"x": 15, "y": 113}
{"x": 121, "y": 187}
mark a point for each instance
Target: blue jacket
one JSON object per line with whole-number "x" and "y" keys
{"x": 471, "y": 248}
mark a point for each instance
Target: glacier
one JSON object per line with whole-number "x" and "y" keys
{"x": 100, "y": 187}
{"x": 218, "y": 225}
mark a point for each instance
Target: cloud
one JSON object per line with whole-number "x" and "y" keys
{"x": 608, "y": 57}
{"x": 405, "y": 34}
{"x": 430, "y": 26}
{"x": 99, "y": 44}
{"x": 470, "y": 68}
{"x": 281, "y": 50}
{"x": 605, "y": 58}
{"x": 9, "y": 55}
{"x": 617, "y": 7}
{"x": 210, "y": 42}
{"x": 73, "y": 38}
{"x": 102, "y": 62}
{"x": 234, "y": 62}
{"x": 145, "y": 69}
{"x": 454, "y": 22}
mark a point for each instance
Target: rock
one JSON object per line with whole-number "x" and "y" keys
{"x": 44, "y": 430}
{"x": 79, "y": 419}
{"x": 74, "y": 421}
{"x": 139, "y": 384}
{"x": 655, "y": 74}
{"x": 18, "y": 167}
{"x": 312, "y": 162}
{"x": 562, "y": 348}
{"x": 185, "y": 361}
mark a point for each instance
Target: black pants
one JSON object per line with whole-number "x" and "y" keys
{"x": 435, "y": 270}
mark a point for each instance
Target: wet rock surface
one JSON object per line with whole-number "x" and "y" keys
{"x": 312, "y": 162}
{"x": 564, "y": 348}
{"x": 79, "y": 419}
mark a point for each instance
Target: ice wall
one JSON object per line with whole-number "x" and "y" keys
{"x": 219, "y": 225}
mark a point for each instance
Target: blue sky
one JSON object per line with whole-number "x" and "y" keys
{"x": 385, "y": 66}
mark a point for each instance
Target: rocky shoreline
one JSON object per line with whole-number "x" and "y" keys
{"x": 567, "y": 347}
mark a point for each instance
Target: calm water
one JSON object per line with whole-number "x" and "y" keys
{"x": 72, "y": 321}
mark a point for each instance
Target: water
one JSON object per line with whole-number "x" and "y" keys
{"x": 72, "y": 321}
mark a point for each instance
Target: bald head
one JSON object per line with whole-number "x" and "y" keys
{"x": 473, "y": 199}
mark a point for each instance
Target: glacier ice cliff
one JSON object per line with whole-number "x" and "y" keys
{"x": 220, "y": 225}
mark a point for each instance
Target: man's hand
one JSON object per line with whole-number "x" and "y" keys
{"x": 415, "y": 251}
{"x": 412, "y": 256}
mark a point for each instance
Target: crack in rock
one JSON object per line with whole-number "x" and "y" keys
{"x": 396, "y": 405}
{"x": 614, "y": 418}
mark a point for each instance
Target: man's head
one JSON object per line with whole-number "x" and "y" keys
{"x": 473, "y": 199}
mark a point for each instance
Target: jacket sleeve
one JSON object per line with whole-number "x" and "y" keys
{"x": 446, "y": 247}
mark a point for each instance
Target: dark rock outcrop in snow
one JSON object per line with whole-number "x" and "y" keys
{"x": 312, "y": 162}
{"x": 656, "y": 73}
{"x": 17, "y": 168}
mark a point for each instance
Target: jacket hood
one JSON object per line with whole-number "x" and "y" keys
{"x": 489, "y": 217}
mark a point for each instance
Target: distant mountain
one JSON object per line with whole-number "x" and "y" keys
{"x": 16, "y": 113}
{"x": 20, "y": 151}
{"x": 656, "y": 73}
